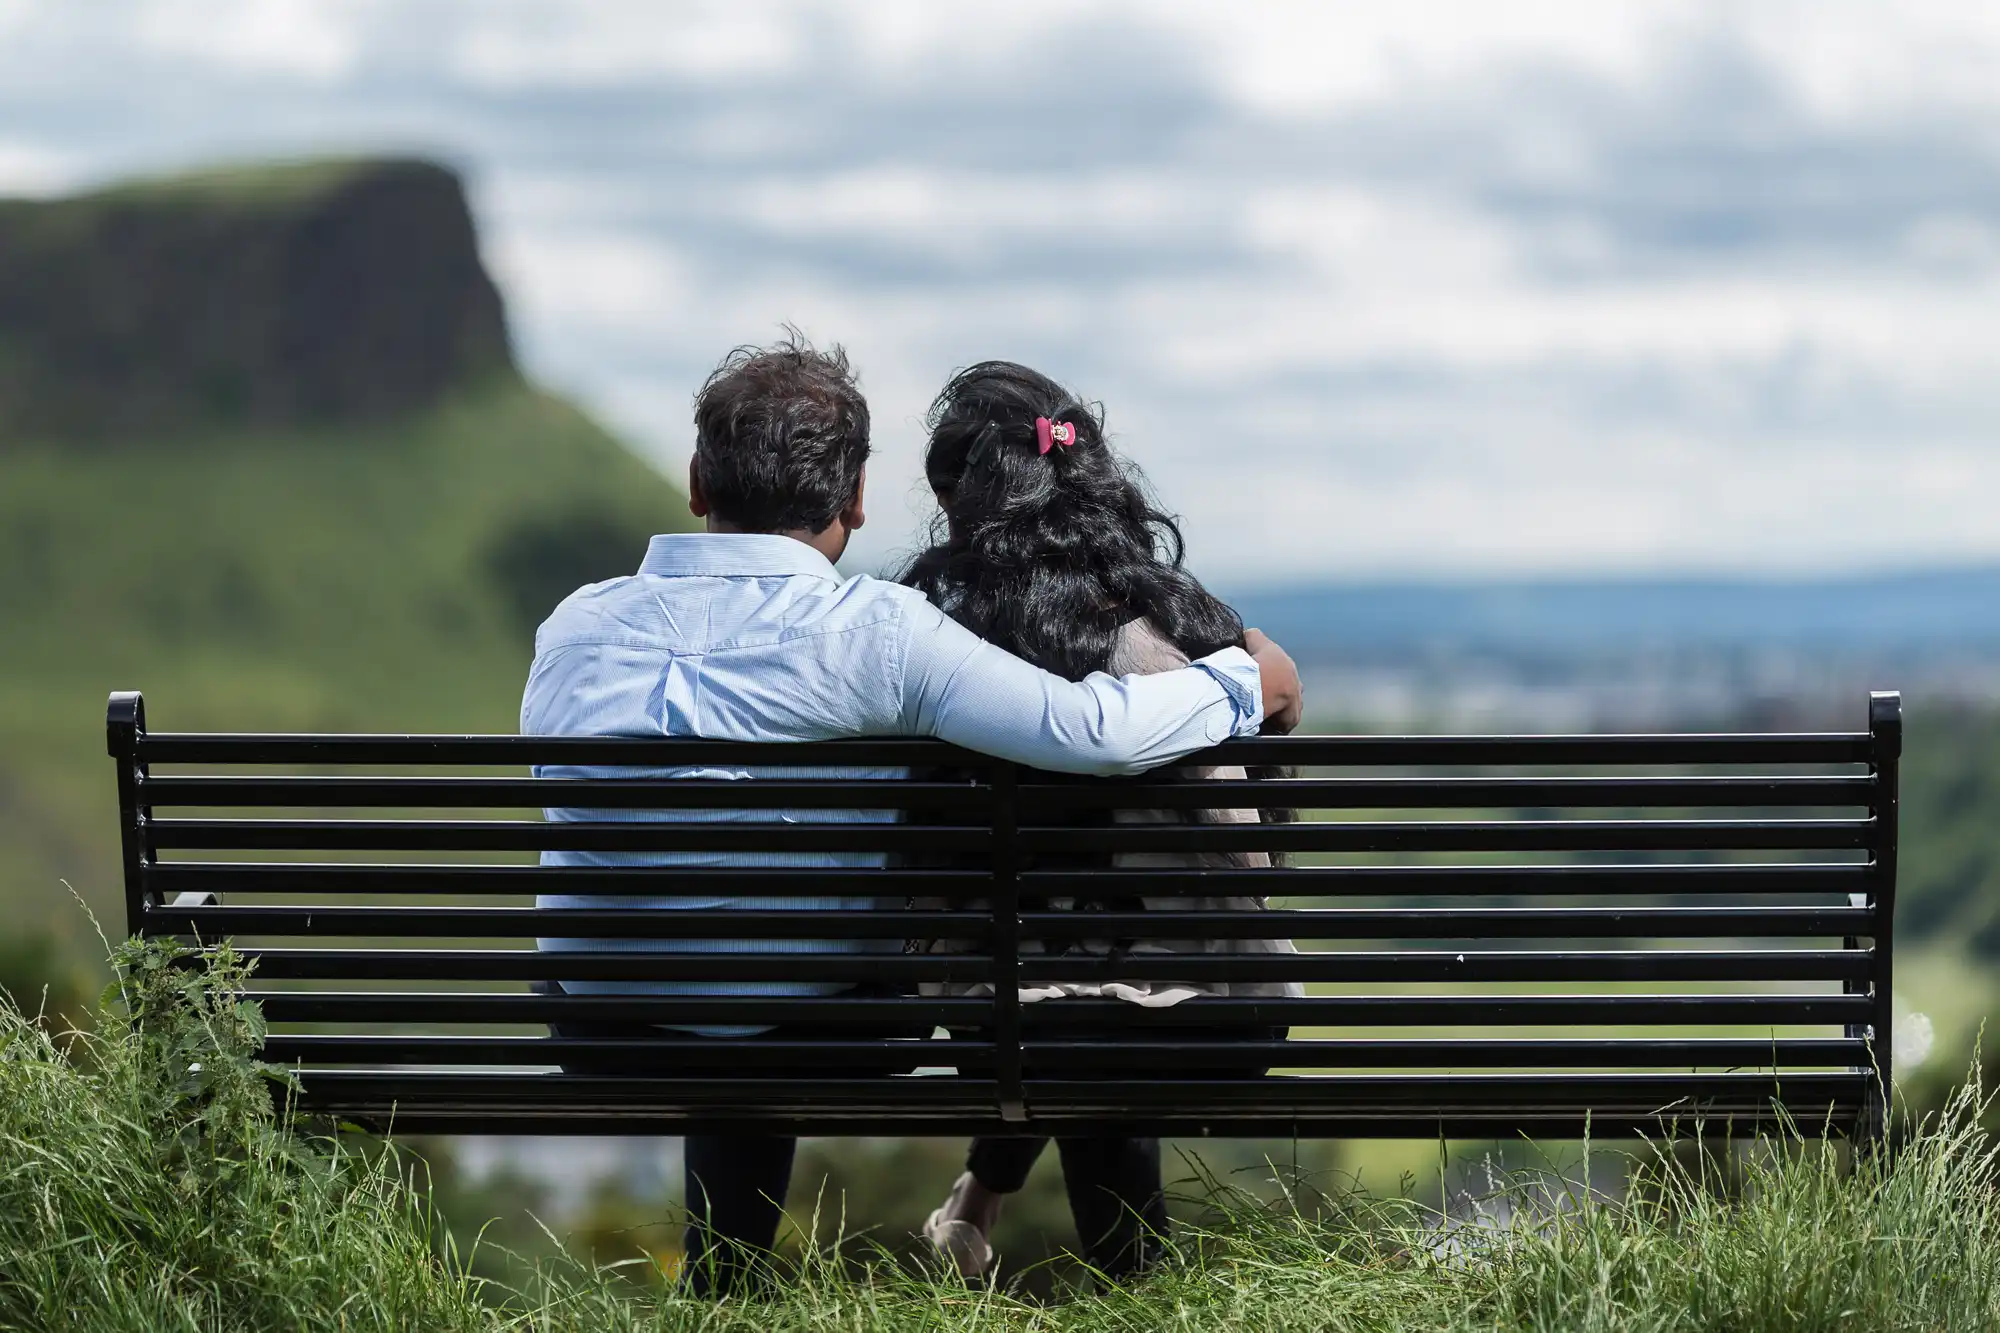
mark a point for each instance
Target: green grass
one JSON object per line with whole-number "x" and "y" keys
{"x": 145, "y": 1183}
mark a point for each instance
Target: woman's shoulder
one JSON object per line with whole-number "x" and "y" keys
{"x": 1142, "y": 650}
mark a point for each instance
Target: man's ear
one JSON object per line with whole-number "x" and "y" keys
{"x": 697, "y": 497}
{"x": 853, "y": 515}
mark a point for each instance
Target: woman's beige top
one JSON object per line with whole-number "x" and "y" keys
{"x": 1143, "y": 651}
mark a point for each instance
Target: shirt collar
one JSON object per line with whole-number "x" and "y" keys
{"x": 733, "y": 554}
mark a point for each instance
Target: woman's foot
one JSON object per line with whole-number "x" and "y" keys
{"x": 962, "y": 1227}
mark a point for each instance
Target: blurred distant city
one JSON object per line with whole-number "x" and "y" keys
{"x": 1638, "y": 653}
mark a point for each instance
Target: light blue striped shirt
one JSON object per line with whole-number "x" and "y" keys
{"x": 757, "y": 637}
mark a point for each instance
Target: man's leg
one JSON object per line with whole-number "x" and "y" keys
{"x": 1117, "y": 1200}
{"x": 735, "y": 1191}
{"x": 735, "y": 1185}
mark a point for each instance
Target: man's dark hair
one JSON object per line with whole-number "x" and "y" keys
{"x": 780, "y": 435}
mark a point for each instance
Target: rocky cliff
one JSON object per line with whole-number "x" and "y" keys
{"x": 301, "y": 294}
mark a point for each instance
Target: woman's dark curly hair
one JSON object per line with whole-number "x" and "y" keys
{"x": 1049, "y": 554}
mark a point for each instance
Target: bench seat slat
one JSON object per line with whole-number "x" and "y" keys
{"x": 170, "y": 878}
{"x": 1501, "y": 751}
{"x": 1448, "y": 1053}
{"x": 1480, "y": 1093}
{"x": 1339, "y": 923}
{"x": 300, "y": 749}
{"x": 1332, "y": 923}
{"x": 1545, "y": 1124}
{"x": 581, "y": 793}
{"x": 815, "y": 966}
{"x": 1469, "y": 1011}
{"x": 1470, "y": 968}
{"x": 1036, "y": 798}
{"x": 164, "y": 747}
{"x": 1513, "y": 835}
{"x": 641, "y": 836}
{"x": 508, "y": 965}
{"x": 1450, "y": 793}
{"x": 1297, "y": 882}
{"x": 1474, "y": 1011}
{"x": 314, "y": 1049}
{"x": 1433, "y": 1053}
{"x": 167, "y": 879}
{"x": 1404, "y": 966}
{"x": 1477, "y": 1092}
{"x": 450, "y": 1007}
{"x": 534, "y": 835}
{"x": 555, "y": 923}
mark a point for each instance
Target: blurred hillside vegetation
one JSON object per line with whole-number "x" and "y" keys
{"x": 265, "y": 454}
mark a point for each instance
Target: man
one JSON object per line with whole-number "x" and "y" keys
{"x": 747, "y": 632}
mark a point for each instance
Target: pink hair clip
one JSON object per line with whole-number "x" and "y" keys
{"x": 1049, "y": 434}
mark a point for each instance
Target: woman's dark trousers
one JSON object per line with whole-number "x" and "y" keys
{"x": 1114, "y": 1193}
{"x": 1113, "y": 1181}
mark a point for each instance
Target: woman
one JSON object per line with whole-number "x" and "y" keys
{"x": 1048, "y": 545}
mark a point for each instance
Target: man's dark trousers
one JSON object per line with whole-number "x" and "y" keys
{"x": 736, "y": 1183}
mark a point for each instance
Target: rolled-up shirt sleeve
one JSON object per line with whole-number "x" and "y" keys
{"x": 960, "y": 688}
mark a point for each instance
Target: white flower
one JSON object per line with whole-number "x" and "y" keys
{"x": 1911, "y": 1039}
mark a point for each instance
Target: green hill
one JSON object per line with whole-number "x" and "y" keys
{"x": 315, "y": 556}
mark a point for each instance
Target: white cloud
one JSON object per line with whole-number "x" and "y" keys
{"x": 1953, "y": 244}
{"x": 1302, "y": 58}
{"x": 1444, "y": 285}
{"x": 1849, "y": 58}
{"x": 607, "y": 281}
{"x": 583, "y": 43}
{"x": 319, "y": 40}
{"x": 956, "y": 212}
{"x": 32, "y": 169}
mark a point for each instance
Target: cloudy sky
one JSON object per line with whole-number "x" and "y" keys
{"x": 1439, "y": 286}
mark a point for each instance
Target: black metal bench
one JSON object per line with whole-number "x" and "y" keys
{"x": 1619, "y": 932}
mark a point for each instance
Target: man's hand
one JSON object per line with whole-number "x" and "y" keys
{"x": 1284, "y": 696}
